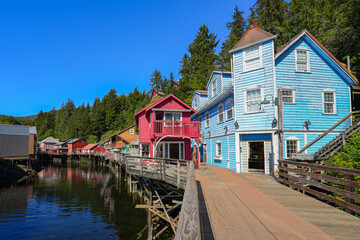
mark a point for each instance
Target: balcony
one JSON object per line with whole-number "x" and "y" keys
{"x": 176, "y": 128}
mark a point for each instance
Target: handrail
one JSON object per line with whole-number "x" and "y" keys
{"x": 189, "y": 221}
{"x": 322, "y": 135}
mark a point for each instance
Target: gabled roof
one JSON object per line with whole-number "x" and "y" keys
{"x": 160, "y": 100}
{"x": 254, "y": 35}
{"x": 306, "y": 32}
{"x": 216, "y": 71}
{"x": 50, "y": 140}
{"x": 121, "y": 131}
{"x": 214, "y": 101}
{"x": 202, "y": 92}
{"x": 90, "y": 146}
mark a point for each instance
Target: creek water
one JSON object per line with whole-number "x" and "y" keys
{"x": 71, "y": 202}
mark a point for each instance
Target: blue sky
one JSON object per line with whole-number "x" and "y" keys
{"x": 54, "y": 50}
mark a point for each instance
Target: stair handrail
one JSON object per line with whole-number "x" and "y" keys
{"x": 326, "y": 132}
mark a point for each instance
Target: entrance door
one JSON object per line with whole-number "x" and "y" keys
{"x": 171, "y": 150}
{"x": 174, "y": 151}
{"x": 256, "y": 155}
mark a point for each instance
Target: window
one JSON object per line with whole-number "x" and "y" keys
{"x": 229, "y": 109}
{"x": 131, "y": 131}
{"x": 292, "y": 146}
{"x": 329, "y": 102}
{"x": 207, "y": 119}
{"x": 213, "y": 88}
{"x": 200, "y": 118}
{"x": 220, "y": 113}
{"x": 302, "y": 60}
{"x": 218, "y": 149}
{"x": 172, "y": 116}
{"x": 288, "y": 96}
{"x": 195, "y": 103}
{"x": 252, "y": 58}
{"x": 253, "y": 100}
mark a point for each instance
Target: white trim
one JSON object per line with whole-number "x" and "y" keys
{"x": 255, "y": 132}
{"x": 229, "y": 99}
{"x": 228, "y": 153}
{"x": 215, "y": 71}
{"x": 327, "y": 90}
{"x": 173, "y": 116}
{"x": 291, "y": 138}
{"x": 213, "y": 90}
{"x": 237, "y": 152}
{"x": 218, "y": 157}
{"x": 305, "y": 142}
{"x": 168, "y": 153}
{"x": 261, "y": 98}
{"x": 307, "y": 60}
{"x": 259, "y": 56}
{"x": 350, "y": 101}
{"x": 218, "y": 106}
{"x": 293, "y": 95}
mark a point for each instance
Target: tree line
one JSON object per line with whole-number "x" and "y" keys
{"x": 333, "y": 22}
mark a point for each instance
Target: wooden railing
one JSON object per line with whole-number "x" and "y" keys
{"x": 176, "y": 128}
{"x": 172, "y": 171}
{"x": 324, "y": 182}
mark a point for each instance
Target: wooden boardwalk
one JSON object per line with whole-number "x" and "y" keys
{"x": 255, "y": 206}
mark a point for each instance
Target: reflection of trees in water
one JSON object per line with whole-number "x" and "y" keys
{"x": 14, "y": 199}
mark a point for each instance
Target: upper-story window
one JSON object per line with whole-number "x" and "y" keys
{"x": 200, "y": 118}
{"x": 220, "y": 113}
{"x": 172, "y": 116}
{"x": 302, "y": 60}
{"x": 288, "y": 95}
{"x": 131, "y": 131}
{"x": 213, "y": 88}
{"x": 253, "y": 100}
{"x": 207, "y": 119}
{"x": 329, "y": 101}
{"x": 229, "y": 108}
{"x": 195, "y": 103}
{"x": 252, "y": 58}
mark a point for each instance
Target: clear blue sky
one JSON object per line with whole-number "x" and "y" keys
{"x": 54, "y": 50}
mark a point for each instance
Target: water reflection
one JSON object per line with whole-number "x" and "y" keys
{"x": 67, "y": 202}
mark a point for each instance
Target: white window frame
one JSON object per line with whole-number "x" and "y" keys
{"x": 218, "y": 146}
{"x": 172, "y": 113}
{"x": 207, "y": 119}
{"x": 195, "y": 103}
{"x": 200, "y": 118}
{"x": 245, "y": 59}
{"x": 323, "y": 100}
{"x": 221, "y": 113}
{"x": 261, "y": 98}
{"x": 229, "y": 100}
{"x": 213, "y": 88}
{"x": 307, "y": 60}
{"x": 132, "y": 131}
{"x": 292, "y": 138}
{"x": 293, "y": 94}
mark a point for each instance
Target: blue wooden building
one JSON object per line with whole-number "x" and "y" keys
{"x": 240, "y": 114}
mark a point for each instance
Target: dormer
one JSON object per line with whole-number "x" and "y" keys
{"x": 219, "y": 82}
{"x": 199, "y": 99}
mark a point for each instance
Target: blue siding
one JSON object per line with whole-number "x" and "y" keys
{"x": 228, "y": 152}
{"x": 215, "y": 77}
{"x": 319, "y": 144}
{"x": 226, "y": 82}
{"x": 243, "y": 80}
{"x": 308, "y": 90}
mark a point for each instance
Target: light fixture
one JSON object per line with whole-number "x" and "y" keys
{"x": 275, "y": 121}
{"x": 226, "y": 128}
{"x": 209, "y": 132}
{"x": 236, "y": 124}
{"x": 307, "y": 123}
{"x": 265, "y": 101}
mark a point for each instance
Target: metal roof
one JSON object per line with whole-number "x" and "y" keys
{"x": 7, "y": 129}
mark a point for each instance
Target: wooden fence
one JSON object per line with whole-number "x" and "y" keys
{"x": 311, "y": 178}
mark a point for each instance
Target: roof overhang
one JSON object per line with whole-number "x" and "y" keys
{"x": 170, "y": 110}
{"x": 253, "y": 44}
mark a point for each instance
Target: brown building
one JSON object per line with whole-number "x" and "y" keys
{"x": 122, "y": 138}
{"x": 17, "y": 141}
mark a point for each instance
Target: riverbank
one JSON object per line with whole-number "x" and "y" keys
{"x": 11, "y": 173}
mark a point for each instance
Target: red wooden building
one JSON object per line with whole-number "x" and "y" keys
{"x": 165, "y": 129}
{"x": 93, "y": 148}
{"x": 75, "y": 144}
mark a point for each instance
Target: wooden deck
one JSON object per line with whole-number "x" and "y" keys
{"x": 255, "y": 206}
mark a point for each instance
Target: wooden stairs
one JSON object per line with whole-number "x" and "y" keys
{"x": 337, "y": 144}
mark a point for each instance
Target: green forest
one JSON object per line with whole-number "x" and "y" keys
{"x": 335, "y": 23}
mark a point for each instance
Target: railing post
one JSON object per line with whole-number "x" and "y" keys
{"x": 178, "y": 173}
{"x": 350, "y": 189}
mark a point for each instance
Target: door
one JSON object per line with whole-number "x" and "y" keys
{"x": 256, "y": 156}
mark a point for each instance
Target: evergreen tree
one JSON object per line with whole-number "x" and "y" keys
{"x": 196, "y": 68}
{"x": 63, "y": 126}
{"x": 111, "y": 105}
{"x": 97, "y": 116}
{"x": 156, "y": 81}
{"x": 237, "y": 29}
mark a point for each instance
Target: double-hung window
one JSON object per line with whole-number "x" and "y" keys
{"x": 252, "y": 58}
{"x": 213, "y": 88}
{"x": 302, "y": 60}
{"x": 218, "y": 149}
{"x": 253, "y": 100}
{"x": 220, "y": 113}
{"x": 229, "y": 108}
{"x": 329, "y": 101}
{"x": 195, "y": 103}
{"x": 207, "y": 119}
{"x": 288, "y": 95}
{"x": 200, "y": 118}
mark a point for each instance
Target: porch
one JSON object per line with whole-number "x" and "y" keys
{"x": 161, "y": 128}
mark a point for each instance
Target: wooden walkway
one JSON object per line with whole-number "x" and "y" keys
{"x": 255, "y": 206}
